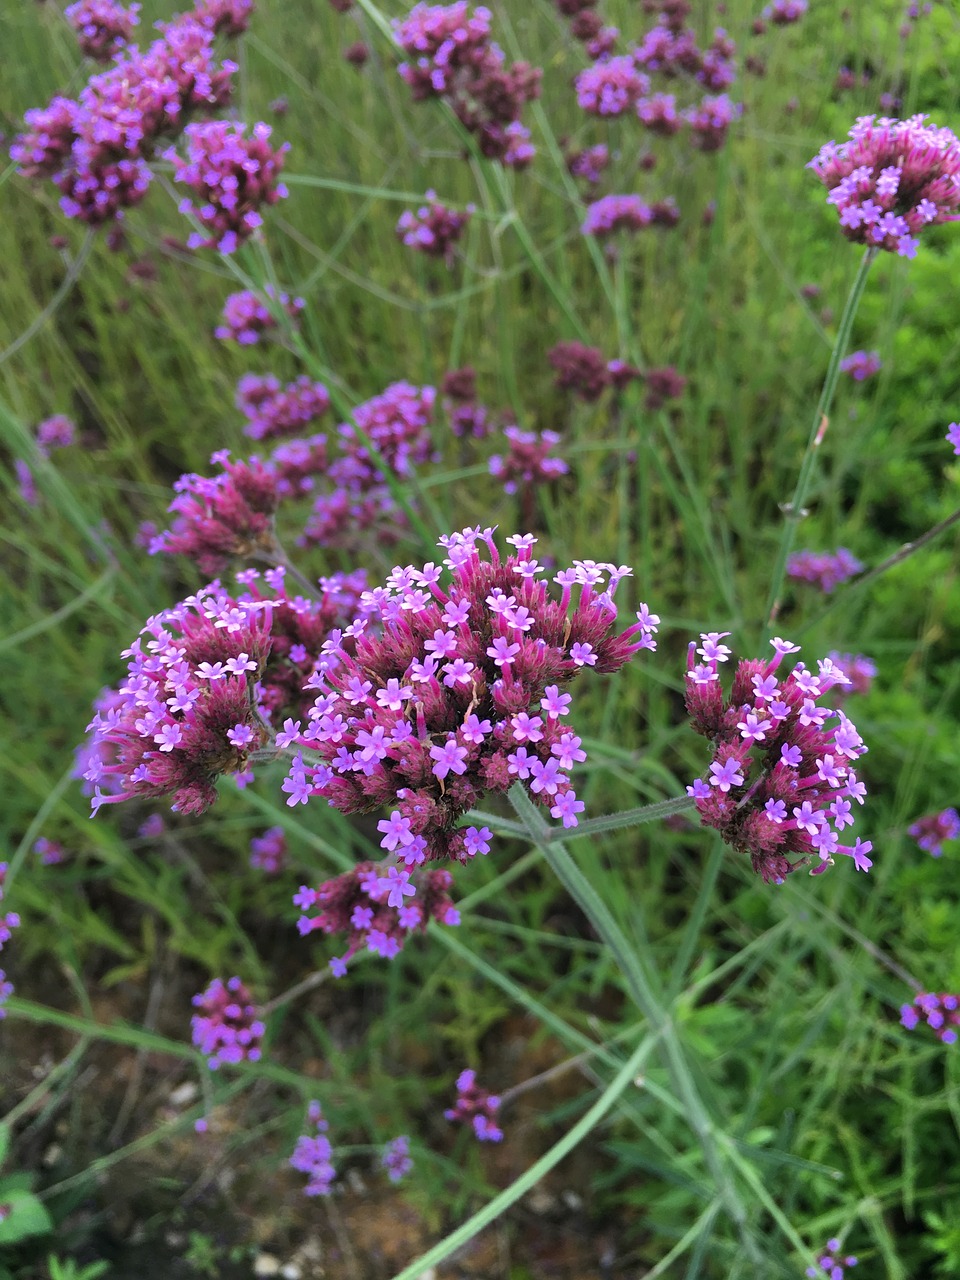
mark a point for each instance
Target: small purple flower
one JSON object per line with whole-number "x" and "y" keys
{"x": 862, "y": 365}
{"x": 313, "y": 1155}
{"x": 940, "y": 1012}
{"x": 395, "y": 1158}
{"x": 931, "y": 831}
{"x": 435, "y": 229}
{"x": 102, "y": 26}
{"x": 953, "y": 436}
{"x": 615, "y": 213}
{"x": 246, "y": 319}
{"x": 476, "y": 1105}
{"x": 830, "y": 1264}
{"x": 826, "y": 570}
{"x": 268, "y": 852}
{"x": 227, "y": 1029}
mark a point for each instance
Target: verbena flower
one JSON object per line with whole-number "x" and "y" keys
{"x": 102, "y": 26}
{"x": 615, "y": 213}
{"x": 477, "y": 1106}
{"x": 232, "y": 177}
{"x": 152, "y": 828}
{"x": 226, "y": 1029}
{"x": 297, "y": 465}
{"x": 395, "y": 1158}
{"x": 611, "y": 88}
{"x": 268, "y": 851}
{"x": 225, "y": 17}
{"x": 50, "y": 852}
{"x": 6, "y": 991}
{"x": 246, "y": 319}
{"x": 459, "y": 692}
{"x": 313, "y": 1154}
{"x": 26, "y": 484}
{"x": 377, "y": 906}
{"x": 953, "y": 437}
{"x": 272, "y": 410}
{"x": 662, "y": 385}
{"x": 659, "y": 114}
{"x": 435, "y": 228}
{"x": 451, "y": 56}
{"x": 710, "y": 121}
{"x": 860, "y": 671}
{"x": 784, "y": 12}
{"x": 9, "y": 920}
{"x": 186, "y": 711}
{"x": 42, "y": 150}
{"x": 861, "y": 365}
{"x": 824, "y": 569}
{"x": 528, "y": 461}
{"x": 589, "y": 163}
{"x": 357, "y": 53}
{"x": 931, "y": 830}
{"x": 465, "y": 415}
{"x": 57, "y": 432}
{"x": 940, "y": 1012}
{"x": 830, "y": 1265}
{"x": 580, "y": 369}
{"x": 222, "y": 517}
{"x": 891, "y": 179}
{"x": 781, "y": 781}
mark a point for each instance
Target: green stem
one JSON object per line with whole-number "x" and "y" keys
{"x": 589, "y": 826}
{"x": 793, "y": 510}
{"x": 585, "y": 895}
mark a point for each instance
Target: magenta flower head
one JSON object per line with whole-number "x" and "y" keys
{"x": 611, "y": 88}
{"x": 268, "y": 852}
{"x": 891, "y": 179}
{"x": 222, "y": 517}
{"x": 225, "y": 17}
{"x": 102, "y": 26}
{"x": 861, "y": 365}
{"x": 953, "y": 437}
{"x": 43, "y": 149}
{"x": 434, "y": 229}
{"x": 232, "y": 178}
{"x": 931, "y": 831}
{"x": 377, "y": 906}
{"x": 580, "y": 369}
{"x": 528, "y": 462}
{"x": 616, "y": 213}
{"x": 589, "y": 163}
{"x": 782, "y": 13}
{"x": 460, "y": 691}
{"x": 57, "y": 432}
{"x": 781, "y": 780}
{"x": 186, "y": 712}
{"x": 940, "y": 1012}
{"x": 710, "y": 121}
{"x": 246, "y": 319}
{"x": 274, "y": 411}
{"x": 475, "y": 1106}
{"x": 395, "y": 1158}
{"x": 50, "y": 852}
{"x": 313, "y": 1155}
{"x": 226, "y": 1028}
{"x": 824, "y": 569}
{"x": 860, "y": 671}
{"x": 831, "y": 1264}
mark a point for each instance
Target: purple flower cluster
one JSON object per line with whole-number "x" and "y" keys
{"x": 662, "y": 385}
{"x": 459, "y": 692}
{"x": 830, "y": 1265}
{"x": 225, "y": 17}
{"x": 9, "y": 921}
{"x": 710, "y": 121}
{"x": 232, "y": 177}
{"x": 272, "y": 410}
{"x": 476, "y": 1105}
{"x": 616, "y": 213}
{"x": 782, "y": 778}
{"x": 467, "y": 417}
{"x": 611, "y": 87}
{"x": 369, "y": 904}
{"x": 226, "y": 1029}
{"x": 95, "y": 148}
{"x": 452, "y": 57}
{"x": 861, "y": 365}
{"x": 953, "y": 437}
{"x": 940, "y": 1012}
{"x": 395, "y": 1158}
{"x": 589, "y": 163}
{"x": 57, "y": 432}
{"x": 246, "y": 319}
{"x": 584, "y": 371}
{"x": 313, "y": 1155}
{"x": 931, "y": 830}
{"x": 268, "y": 852}
{"x": 434, "y": 229}
{"x": 528, "y": 462}
{"x": 50, "y": 852}
{"x": 824, "y": 569}
{"x": 890, "y": 180}
{"x": 103, "y": 27}
{"x": 859, "y": 670}
{"x": 784, "y": 12}
{"x": 186, "y": 711}
{"x": 221, "y": 517}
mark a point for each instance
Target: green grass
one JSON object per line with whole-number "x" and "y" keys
{"x": 780, "y": 1101}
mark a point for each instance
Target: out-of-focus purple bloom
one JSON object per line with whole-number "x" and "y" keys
{"x": 710, "y": 121}
{"x": 528, "y": 462}
{"x": 225, "y": 17}
{"x": 615, "y": 213}
{"x": 103, "y": 27}
{"x": 940, "y": 1012}
{"x": 931, "y": 830}
{"x": 268, "y": 852}
{"x": 26, "y": 483}
{"x": 434, "y": 229}
{"x": 589, "y": 163}
{"x": 891, "y": 179}
{"x": 313, "y": 1155}
{"x": 859, "y": 670}
{"x": 57, "y": 432}
{"x": 953, "y": 437}
{"x": 10, "y": 920}
{"x": 611, "y": 88}
{"x": 662, "y": 385}
{"x": 232, "y": 177}
{"x": 246, "y": 319}
{"x": 580, "y": 369}
{"x": 475, "y": 1106}
{"x": 226, "y": 1029}
{"x": 273, "y": 411}
{"x": 830, "y": 1264}
{"x": 395, "y": 1158}
{"x": 659, "y": 113}
{"x": 50, "y": 852}
{"x": 861, "y": 365}
{"x": 784, "y": 12}
{"x": 824, "y": 569}
{"x": 6, "y": 991}
{"x": 152, "y": 828}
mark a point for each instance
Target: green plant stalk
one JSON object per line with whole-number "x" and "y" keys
{"x": 638, "y": 984}
{"x": 793, "y": 511}
{"x": 510, "y": 1195}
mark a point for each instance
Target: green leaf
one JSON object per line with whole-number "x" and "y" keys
{"x": 27, "y": 1217}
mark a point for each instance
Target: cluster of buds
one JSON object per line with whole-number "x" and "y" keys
{"x": 824, "y": 569}
{"x": 103, "y": 27}
{"x": 528, "y": 462}
{"x": 931, "y": 830}
{"x": 662, "y": 385}
{"x": 273, "y": 411}
{"x": 475, "y": 1106}
{"x": 226, "y": 1028}
{"x": 232, "y": 177}
{"x": 453, "y": 57}
{"x": 781, "y": 781}
{"x": 467, "y": 417}
{"x": 246, "y": 319}
{"x": 458, "y": 692}
{"x": 313, "y": 1154}
{"x": 434, "y": 229}
{"x": 891, "y": 179}
{"x": 940, "y": 1012}
{"x": 587, "y": 26}
{"x": 369, "y": 905}
{"x": 584, "y": 370}
{"x": 627, "y": 213}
